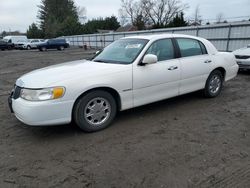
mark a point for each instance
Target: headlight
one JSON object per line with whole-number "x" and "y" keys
{"x": 42, "y": 94}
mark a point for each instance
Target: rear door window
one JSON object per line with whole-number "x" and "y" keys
{"x": 190, "y": 47}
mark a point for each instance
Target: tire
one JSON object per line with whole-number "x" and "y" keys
{"x": 100, "y": 117}
{"x": 214, "y": 84}
{"x": 28, "y": 48}
{"x": 61, "y": 48}
{"x": 9, "y": 48}
{"x": 43, "y": 49}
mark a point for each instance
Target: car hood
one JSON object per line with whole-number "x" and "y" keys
{"x": 243, "y": 51}
{"x": 50, "y": 76}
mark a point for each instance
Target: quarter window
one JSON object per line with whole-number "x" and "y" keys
{"x": 190, "y": 47}
{"x": 203, "y": 48}
{"x": 163, "y": 49}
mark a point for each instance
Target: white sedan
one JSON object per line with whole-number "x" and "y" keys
{"x": 243, "y": 57}
{"x": 130, "y": 72}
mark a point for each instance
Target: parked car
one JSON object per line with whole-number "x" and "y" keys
{"x": 15, "y": 39}
{"x": 59, "y": 44}
{"x": 30, "y": 44}
{"x": 19, "y": 44}
{"x": 4, "y": 45}
{"x": 243, "y": 57}
{"x": 130, "y": 72}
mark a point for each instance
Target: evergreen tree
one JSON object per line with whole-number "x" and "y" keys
{"x": 58, "y": 17}
{"x": 34, "y": 31}
{"x": 139, "y": 22}
{"x": 178, "y": 21}
{"x": 109, "y": 23}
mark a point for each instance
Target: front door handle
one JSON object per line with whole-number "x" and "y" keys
{"x": 172, "y": 68}
{"x": 208, "y": 61}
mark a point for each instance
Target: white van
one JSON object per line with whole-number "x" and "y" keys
{"x": 15, "y": 39}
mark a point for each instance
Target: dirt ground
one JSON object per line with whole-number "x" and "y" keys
{"x": 187, "y": 141}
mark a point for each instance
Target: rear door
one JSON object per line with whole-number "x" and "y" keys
{"x": 196, "y": 64}
{"x": 52, "y": 44}
{"x": 154, "y": 82}
{"x": 34, "y": 43}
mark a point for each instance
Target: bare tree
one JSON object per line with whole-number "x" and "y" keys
{"x": 133, "y": 10}
{"x": 123, "y": 18}
{"x": 82, "y": 14}
{"x": 152, "y": 12}
{"x": 219, "y": 17}
{"x": 197, "y": 19}
{"x": 161, "y": 12}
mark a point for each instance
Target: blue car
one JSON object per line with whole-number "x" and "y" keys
{"x": 59, "y": 44}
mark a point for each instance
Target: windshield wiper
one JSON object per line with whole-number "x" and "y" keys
{"x": 100, "y": 61}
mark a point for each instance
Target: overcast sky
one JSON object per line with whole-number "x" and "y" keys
{"x": 19, "y": 14}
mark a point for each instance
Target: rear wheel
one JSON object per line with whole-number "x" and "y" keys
{"x": 28, "y": 47}
{"x": 95, "y": 111}
{"x": 43, "y": 49}
{"x": 61, "y": 48}
{"x": 214, "y": 84}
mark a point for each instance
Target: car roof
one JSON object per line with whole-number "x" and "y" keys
{"x": 161, "y": 36}
{"x": 153, "y": 37}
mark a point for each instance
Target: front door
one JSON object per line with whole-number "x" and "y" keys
{"x": 154, "y": 82}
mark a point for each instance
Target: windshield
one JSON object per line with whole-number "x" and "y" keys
{"x": 123, "y": 51}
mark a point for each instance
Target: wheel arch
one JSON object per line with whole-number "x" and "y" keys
{"x": 110, "y": 90}
{"x": 222, "y": 70}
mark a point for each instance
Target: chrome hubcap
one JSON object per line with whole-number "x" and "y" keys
{"x": 215, "y": 84}
{"x": 97, "y": 111}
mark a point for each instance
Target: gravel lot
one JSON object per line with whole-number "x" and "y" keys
{"x": 187, "y": 141}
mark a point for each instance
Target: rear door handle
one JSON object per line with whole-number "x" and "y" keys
{"x": 172, "y": 68}
{"x": 208, "y": 61}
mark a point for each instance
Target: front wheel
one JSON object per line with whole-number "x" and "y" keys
{"x": 214, "y": 84}
{"x": 95, "y": 111}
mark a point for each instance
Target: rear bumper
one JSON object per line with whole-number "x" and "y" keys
{"x": 232, "y": 72}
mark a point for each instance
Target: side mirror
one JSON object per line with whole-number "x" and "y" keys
{"x": 97, "y": 52}
{"x": 149, "y": 59}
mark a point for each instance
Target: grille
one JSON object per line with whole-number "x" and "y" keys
{"x": 16, "y": 92}
{"x": 242, "y": 57}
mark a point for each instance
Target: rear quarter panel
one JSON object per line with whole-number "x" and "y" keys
{"x": 227, "y": 61}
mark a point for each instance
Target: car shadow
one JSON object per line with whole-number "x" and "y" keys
{"x": 244, "y": 72}
{"x": 72, "y": 129}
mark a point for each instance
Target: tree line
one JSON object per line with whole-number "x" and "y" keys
{"x": 63, "y": 17}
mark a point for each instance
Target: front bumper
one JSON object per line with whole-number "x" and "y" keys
{"x": 41, "y": 113}
{"x": 243, "y": 64}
